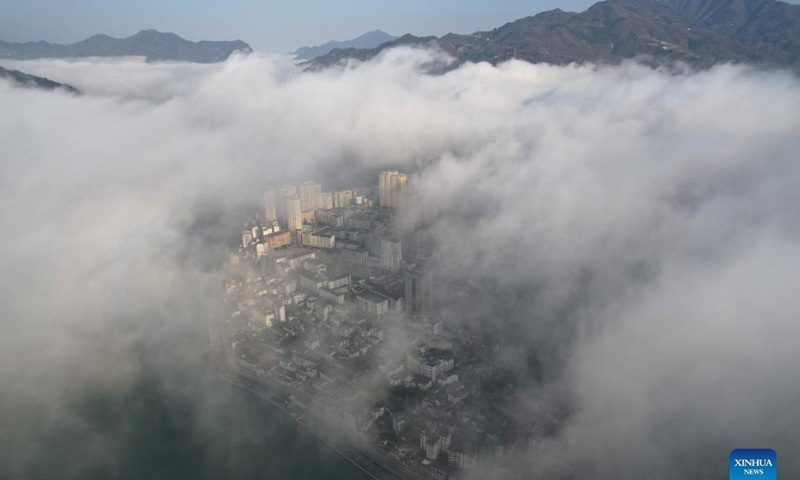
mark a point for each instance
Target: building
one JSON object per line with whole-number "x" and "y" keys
{"x": 313, "y": 282}
{"x": 456, "y": 392}
{"x": 269, "y": 227}
{"x": 275, "y": 312}
{"x": 440, "y": 343}
{"x": 336, "y": 218}
{"x": 435, "y": 441}
{"x": 372, "y": 302}
{"x": 247, "y": 238}
{"x": 463, "y": 458}
{"x": 270, "y": 212}
{"x": 430, "y": 367}
{"x": 308, "y": 216}
{"x": 310, "y": 196}
{"x": 391, "y": 254}
{"x": 354, "y": 255}
{"x": 294, "y": 213}
{"x": 343, "y": 199}
{"x": 399, "y": 420}
{"x": 319, "y": 240}
{"x": 278, "y": 240}
{"x": 423, "y": 326}
{"x": 294, "y": 259}
{"x": 419, "y": 291}
{"x": 392, "y": 189}
{"x": 323, "y": 286}
{"x": 281, "y": 194}
{"x": 326, "y": 201}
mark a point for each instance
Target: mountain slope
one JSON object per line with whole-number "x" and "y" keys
{"x": 762, "y": 25}
{"x": 155, "y": 46}
{"x": 368, "y": 40}
{"x": 30, "y": 81}
{"x": 698, "y": 32}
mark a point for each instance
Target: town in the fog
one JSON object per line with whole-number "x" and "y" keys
{"x": 331, "y": 314}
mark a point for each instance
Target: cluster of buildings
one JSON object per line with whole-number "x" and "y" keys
{"x": 327, "y": 304}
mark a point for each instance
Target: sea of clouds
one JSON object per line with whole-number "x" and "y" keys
{"x": 652, "y": 218}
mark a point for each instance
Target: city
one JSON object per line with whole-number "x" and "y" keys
{"x": 331, "y": 313}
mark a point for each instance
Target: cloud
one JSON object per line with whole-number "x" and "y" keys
{"x": 647, "y": 220}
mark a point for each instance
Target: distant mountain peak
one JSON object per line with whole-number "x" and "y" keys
{"x": 150, "y": 33}
{"x": 367, "y": 40}
{"x": 151, "y": 44}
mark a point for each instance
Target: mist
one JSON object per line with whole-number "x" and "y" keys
{"x": 646, "y": 218}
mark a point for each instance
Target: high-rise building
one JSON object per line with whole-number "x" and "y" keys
{"x": 281, "y": 195}
{"x": 310, "y": 196}
{"x": 392, "y": 189}
{"x": 391, "y": 254}
{"x": 343, "y": 198}
{"x": 270, "y": 213}
{"x": 326, "y": 201}
{"x": 419, "y": 291}
{"x": 294, "y": 214}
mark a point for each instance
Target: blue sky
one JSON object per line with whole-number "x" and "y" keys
{"x": 268, "y": 25}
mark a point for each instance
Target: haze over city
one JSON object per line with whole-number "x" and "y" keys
{"x": 541, "y": 258}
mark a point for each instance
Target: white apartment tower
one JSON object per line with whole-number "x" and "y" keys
{"x": 294, "y": 215}
{"x": 392, "y": 189}
{"x": 326, "y": 201}
{"x": 310, "y": 196}
{"x": 391, "y": 254}
{"x": 270, "y": 213}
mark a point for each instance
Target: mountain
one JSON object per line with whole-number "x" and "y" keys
{"x": 155, "y": 46}
{"x": 698, "y": 32}
{"x": 368, "y": 40}
{"x": 762, "y": 25}
{"x": 30, "y": 81}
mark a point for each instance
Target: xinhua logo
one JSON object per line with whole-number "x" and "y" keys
{"x": 755, "y": 464}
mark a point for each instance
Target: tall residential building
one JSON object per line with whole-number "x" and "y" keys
{"x": 326, "y": 201}
{"x": 294, "y": 214}
{"x": 281, "y": 195}
{"x": 343, "y": 198}
{"x": 392, "y": 189}
{"x": 391, "y": 254}
{"x": 270, "y": 212}
{"x": 310, "y": 196}
{"x": 419, "y": 291}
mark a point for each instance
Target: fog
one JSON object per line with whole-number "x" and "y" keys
{"x": 648, "y": 218}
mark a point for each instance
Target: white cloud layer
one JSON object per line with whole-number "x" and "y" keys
{"x": 654, "y": 214}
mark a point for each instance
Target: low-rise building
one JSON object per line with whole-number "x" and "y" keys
{"x": 466, "y": 459}
{"x": 319, "y": 240}
{"x": 278, "y": 239}
{"x": 372, "y": 302}
{"x": 430, "y": 367}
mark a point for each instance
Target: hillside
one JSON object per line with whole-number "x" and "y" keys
{"x": 31, "y": 81}
{"x": 698, "y": 32}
